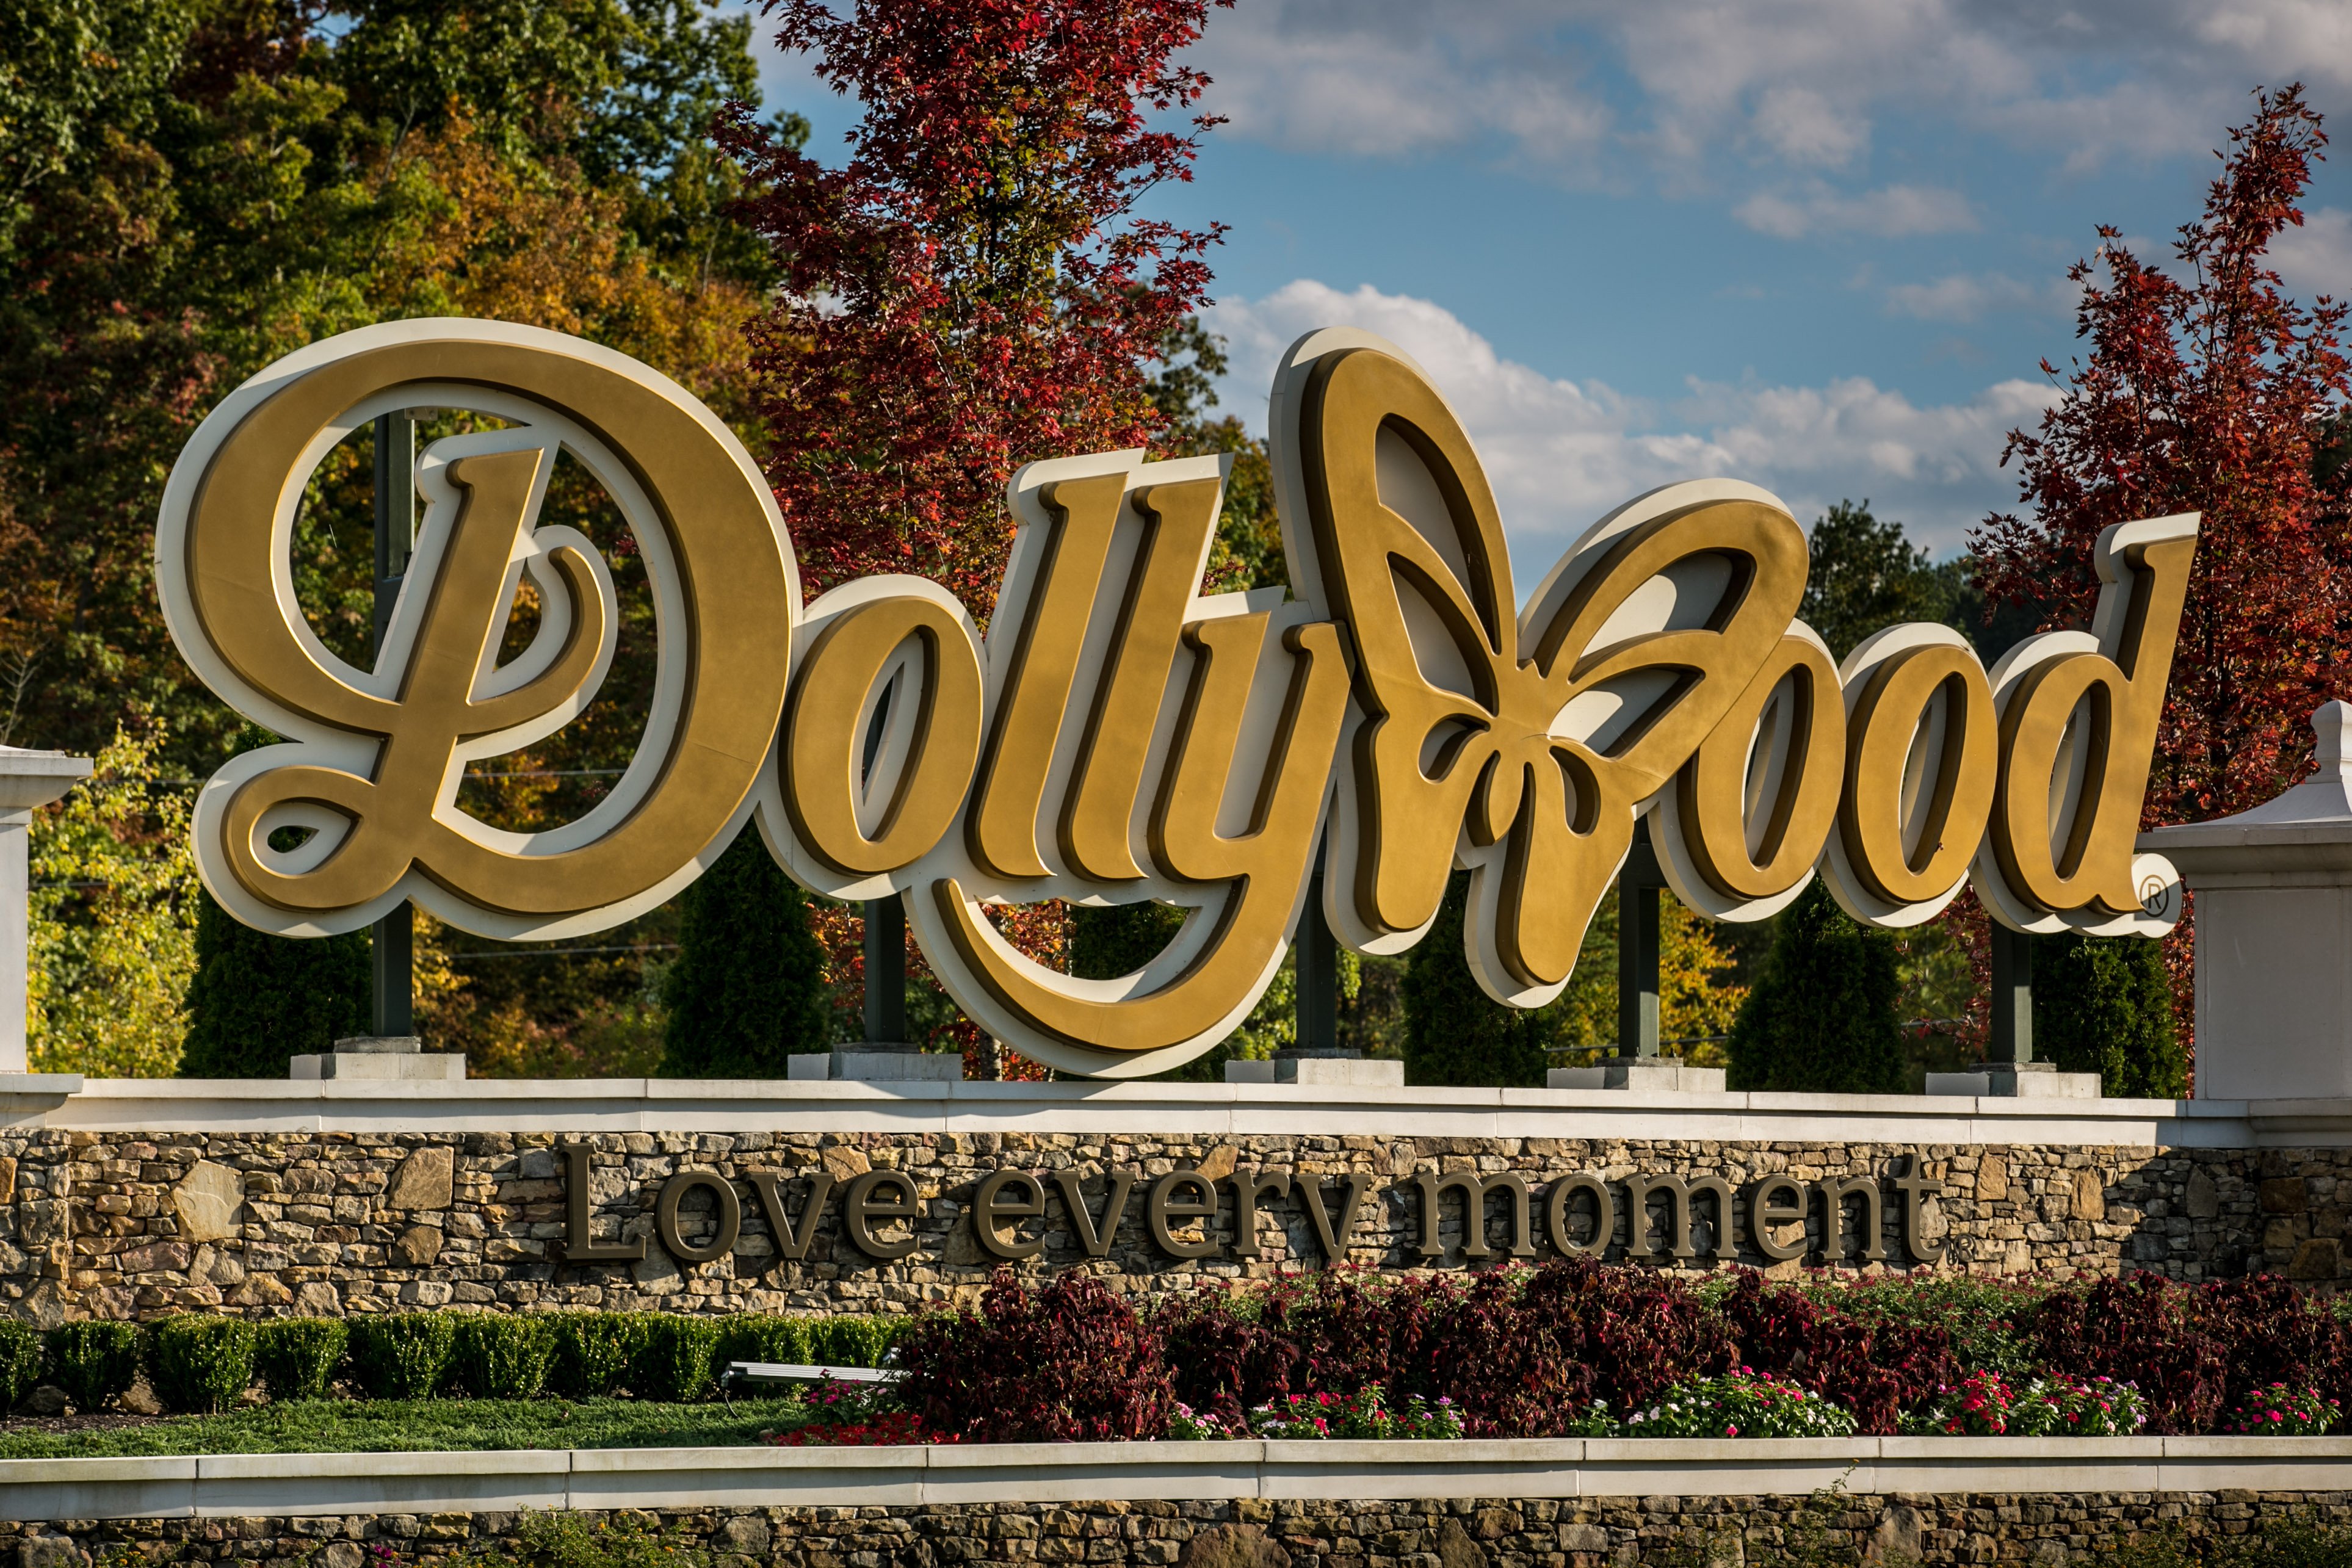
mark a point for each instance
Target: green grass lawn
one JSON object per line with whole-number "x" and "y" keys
{"x": 421, "y": 1426}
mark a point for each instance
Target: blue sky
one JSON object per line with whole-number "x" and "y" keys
{"x": 1819, "y": 245}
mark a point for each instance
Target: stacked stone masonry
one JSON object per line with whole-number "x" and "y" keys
{"x": 1613, "y": 1533}
{"x": 124, "y": 1226}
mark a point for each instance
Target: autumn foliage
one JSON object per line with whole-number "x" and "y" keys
{"x": 972, "y": 290}
{"x": 2207, "y": 389}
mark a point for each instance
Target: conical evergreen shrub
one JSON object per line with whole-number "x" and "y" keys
{"x": 1109, "y": 941}
{"x": 2103, "y": 1005}
{"x": 1457, "y": 1034}
{"x": 748, "y": 990}
{"x": 257, "y": 1000}
{"x": 1822, "y": 1018}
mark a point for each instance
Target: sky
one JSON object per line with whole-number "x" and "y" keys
{"x": 1817, "y": 245}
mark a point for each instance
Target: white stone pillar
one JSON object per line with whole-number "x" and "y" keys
{"x": 28, "y": 779}
{"x": 2273, "y": 913}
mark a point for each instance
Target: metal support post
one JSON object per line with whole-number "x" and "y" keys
{"x": 1637, "y": 947}
{"x": 885, "y": 970}
{"x": 1317, "y": 956}
{"x": 393, "y": 944}
{"x": 2012, "y": 996}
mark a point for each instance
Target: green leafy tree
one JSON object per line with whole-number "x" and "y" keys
{"x": 75, "y": 73}
{"x": 748, "y": 988}
{"x": 1822, "y": 1016}
{"x": 113, "y": 914}
{"x": 2103, "y": 1005}
{"x": 1864, "y": 575}
{"x": 258, "y": 1001}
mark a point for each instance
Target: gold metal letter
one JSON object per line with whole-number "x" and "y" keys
{"x": 1012, "y": 787}
{"x": 1918, "y": 774}
{"x": 374, "y": 765}
{"x": 825, "y": 738}
{"x": 1755, "y": 804}
{"x": 2078, "y": 721}
{"x": 1463, "y": 737}
{"x": 1266, "y": 865}
{"x": 1150, "y": 623}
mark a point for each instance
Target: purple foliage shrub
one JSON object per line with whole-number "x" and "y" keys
{"x": 1069, "y": 1362}
{"x": 1231, "y": 1351}
{"x": 2276, "y": 1333}
{"x": 1876, "y": 1370}
{"x": 1522, "y": 1352}
{"x": 2195, "y": 1351}
{"x": 1526, "y": 1351}
{"x": 2139, "y": 1329}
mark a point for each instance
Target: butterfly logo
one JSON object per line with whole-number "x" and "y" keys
{"x": 1516, "y": 742}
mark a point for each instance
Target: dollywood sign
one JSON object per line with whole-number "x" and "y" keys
{"x": 1118, "y": 735}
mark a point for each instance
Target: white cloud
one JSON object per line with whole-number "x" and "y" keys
{"x": 2317, "y": 258}
{"x": 1560, "y": 453}
{"x": 1965, "y": 297}
{"x": 1803, "y": 127}
{"x": 1892, "y": 212}
{"x": 1329, "y": 77}
{"x": 1594, "y": 89}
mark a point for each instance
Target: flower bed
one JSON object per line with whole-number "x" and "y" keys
{"x": 1571, "y": 1349}
{"x": 1556, "y": 1351}
{"x": 1985, "y": 1405}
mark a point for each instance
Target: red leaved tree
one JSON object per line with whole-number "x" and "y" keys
{"x": 2207, "y": 389}
{"x": 972, "y": 290}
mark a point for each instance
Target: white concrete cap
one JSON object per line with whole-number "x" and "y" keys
{"x": 1334, "y": 1071}
{"x": 2303, "y": 838}
{"x": 241, "y": 1485}
{"x": 1642, "y": 1074}
{"x": 30, "y": 779}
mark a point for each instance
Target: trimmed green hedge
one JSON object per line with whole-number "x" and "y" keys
{"x": 296, "y": 1357}
{"x": 404, "y": 1355}
{"x": 674, "y": 1363}
{"x": 94, "y": 1362}
{"x": 594, "y": 1351}
{"x": 201, "y": 1362}
{"x": 502, "y": 1356}
{"x": 21, "y": 1354}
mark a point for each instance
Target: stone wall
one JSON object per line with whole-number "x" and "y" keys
{"x": 118, "y": 1225}
{"x": 1603, "y": 1533}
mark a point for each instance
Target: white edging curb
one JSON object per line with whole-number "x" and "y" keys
{"x": 249, "y": 1107}
{"x": 263, "y": 1485}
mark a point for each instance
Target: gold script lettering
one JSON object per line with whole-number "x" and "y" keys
{"x": 1118, "y": 735}
{"x": 375, "y": 765}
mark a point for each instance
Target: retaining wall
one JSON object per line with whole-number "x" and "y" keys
{"x": 137, "y": 1198}
{"x": 1549, "y": 1504}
